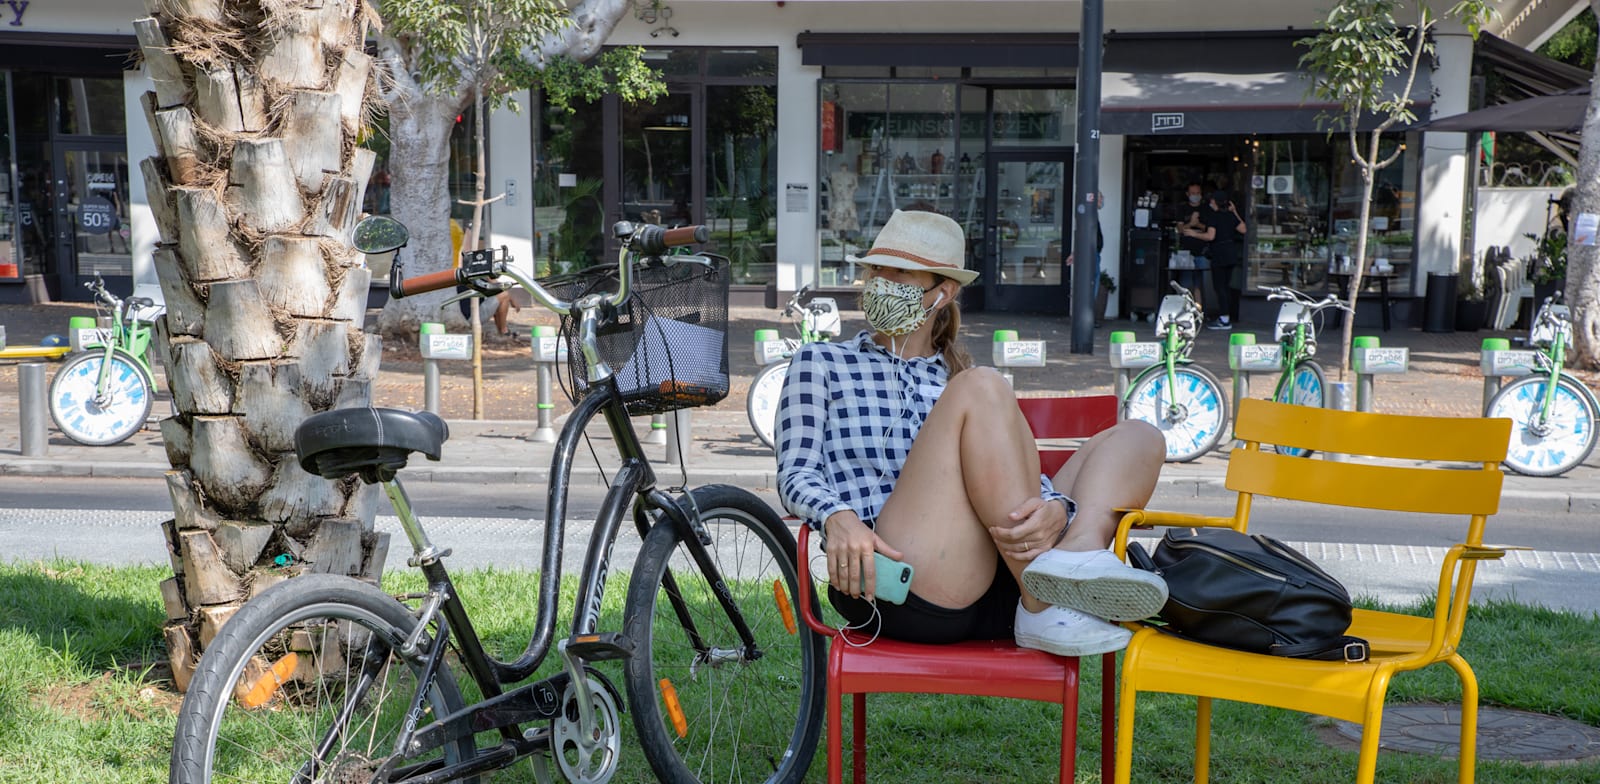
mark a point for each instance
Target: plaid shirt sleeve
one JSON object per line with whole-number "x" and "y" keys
{"x": 804, "y": 481}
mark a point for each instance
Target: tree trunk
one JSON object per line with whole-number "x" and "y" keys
{"x": 1583, "y": 261}
{"x": 419, "y": 165}
{"x": 1368, "y": 169}
{"x": 265, "y": 323}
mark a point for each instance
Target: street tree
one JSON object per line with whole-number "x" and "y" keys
{"x": 441, "y": 57}
{"x": 255, "y": 186}
{"x": 1354, "y": 61}
{"x": 1583, "y": 257}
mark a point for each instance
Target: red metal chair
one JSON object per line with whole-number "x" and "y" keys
{"x": 995, "y": 668}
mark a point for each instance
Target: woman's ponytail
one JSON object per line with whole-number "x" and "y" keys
{"x": 947, "y": 338}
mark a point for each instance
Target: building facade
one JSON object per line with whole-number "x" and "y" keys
{"x": 795, "y": 128}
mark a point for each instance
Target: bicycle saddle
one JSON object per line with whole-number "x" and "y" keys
{"x": 374, "y": 442}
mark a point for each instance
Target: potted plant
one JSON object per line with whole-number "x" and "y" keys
{"x": 1102, "y": 295}
{"x": 1548, "y": 264}
{"x": 1472, "y": 309}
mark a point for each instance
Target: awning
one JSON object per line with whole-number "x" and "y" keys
{"x": 68, "y": 53}
{"x": 1560, "y": 113}
{"x": 950, "y": 50}
{"x": 1214, "y": 84}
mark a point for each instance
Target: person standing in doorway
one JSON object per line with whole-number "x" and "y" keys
{"x": 1224, "y": 236}
{"x": 1195, "y": 208}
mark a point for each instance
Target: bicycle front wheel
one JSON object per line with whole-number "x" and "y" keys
{"x": 761, "y": 402}
{"x": 93, "y": 419}
{"x": 305, "y": 683}
{"x": 1192, "y": 414}
{"x": 1562, "y": 441}
{"x": 1304, "y": 386}
{"x": 706, "y": 707}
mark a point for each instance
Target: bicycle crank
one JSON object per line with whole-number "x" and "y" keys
{"x": 587, "y": 758}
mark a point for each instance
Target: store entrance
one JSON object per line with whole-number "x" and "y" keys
{"x": 1025, "y": 238}
{"x": 1159, "y": 172}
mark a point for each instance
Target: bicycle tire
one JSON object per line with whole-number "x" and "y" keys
{"x": 761, "y": 402}
{"x": 215, "y": 728}
{"x": 1306, "y": 386}
{"x": 1202, "y": 415}
{"x": 744, "y": 719}
{"x": 1573, "y": 417}
{"x": 72, "y": 393}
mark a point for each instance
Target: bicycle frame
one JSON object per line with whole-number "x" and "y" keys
{"x": 505, "y": 710}
{"x": 128, "y": 334}
{"x": 1177, "y": 342}
{"x": 1549, "y": 338}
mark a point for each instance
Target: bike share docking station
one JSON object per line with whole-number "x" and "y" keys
{"x": 1009, "y": 352}
{"x": 436, "y": 344}
{"x": 549, "y": 350}
{"x": 1129, "y": 356}
{"x": 1498, "y": 361}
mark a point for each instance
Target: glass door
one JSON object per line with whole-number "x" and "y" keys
{"x": 1026, "y": 237}
{"x": 92, "y": 236}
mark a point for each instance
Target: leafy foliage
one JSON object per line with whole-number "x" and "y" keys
{"x": 566, "y": 82}
{"x": 1549, "y": 258}
{"x": 454, "y": 45}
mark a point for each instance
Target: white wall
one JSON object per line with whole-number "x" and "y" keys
{"x": 1504, "y": 215}
{"x": 511, "y": 170}
{"x": 142, "y": 240}
{"x": 1112, "y": 150}
{"x": 1444, "y": 160}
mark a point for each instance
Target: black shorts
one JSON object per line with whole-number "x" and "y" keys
{"x": 991, "y": 617}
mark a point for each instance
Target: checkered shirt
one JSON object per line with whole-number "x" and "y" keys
{"x": 846, "y": 419}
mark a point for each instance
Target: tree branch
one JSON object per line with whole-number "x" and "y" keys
{"x": 592, "y": 23}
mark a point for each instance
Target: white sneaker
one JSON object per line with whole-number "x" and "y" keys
{"x": 1096, "y": 583}
{"x": 1067, "y": 632}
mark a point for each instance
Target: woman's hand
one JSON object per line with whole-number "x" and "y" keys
{"x": 850, "y": 545}
{"x": 1037, "y": 525}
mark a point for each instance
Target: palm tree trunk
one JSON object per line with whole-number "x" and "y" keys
{"x": 255, "y": 186}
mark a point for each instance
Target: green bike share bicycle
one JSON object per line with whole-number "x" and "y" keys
{"x": 1301, "y": 381}
{"x": 103, "y": 394}
{"x": 1553, "y": 414}
{"x": 1181, "y": 399}
{"x": 817, "y": 321}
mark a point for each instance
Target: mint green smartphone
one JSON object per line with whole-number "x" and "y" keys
{"x": 894, "y": 579}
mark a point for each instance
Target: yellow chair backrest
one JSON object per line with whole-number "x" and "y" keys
{"x": 1364, "y": 483}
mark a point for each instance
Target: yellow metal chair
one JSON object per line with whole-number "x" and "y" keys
{"x": 1159, "y": 662}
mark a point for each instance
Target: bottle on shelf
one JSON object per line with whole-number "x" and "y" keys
{"x": 965, "y": 167}
{"x": 936, "y": 163}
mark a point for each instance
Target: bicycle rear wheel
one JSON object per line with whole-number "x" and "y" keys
{"x": 268, "y": 691}
{"x": 111, "y": 418}
{"x": 1560, "y": 443}
{"x": 718, "y": 712}
{"x": 1192, "y": 417}
{"x": 761, "y": 402}
{"x": 1305, "y": 386}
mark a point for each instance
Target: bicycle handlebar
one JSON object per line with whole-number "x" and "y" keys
{"x": 1281, "y": 293}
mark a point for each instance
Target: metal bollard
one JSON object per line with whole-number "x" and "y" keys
{"x": 430, "y": 369}
{"x": 1009, "y": 352}
{"x": 1498, "y": 361}
{"x": 1368, "y": 359}
{"x": 1245, "y": 356}
{"x": 678, "y": 437}
{"x": 1128, "y": 357}
{"x": 546, "y": 353}
{"x": 658, "y": 430}
{"x": 32, "y": 408}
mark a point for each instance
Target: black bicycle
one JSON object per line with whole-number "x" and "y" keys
{"x": 326, "y": 678}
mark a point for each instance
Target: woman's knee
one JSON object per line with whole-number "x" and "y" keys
{"x": 980, "y": 384}
{"x": 1141, "y": 440}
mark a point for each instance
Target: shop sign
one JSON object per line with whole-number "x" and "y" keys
{"x": 17, "y": 7}
{"x": 940, "y": 125}
{"x": 1166, "y": 121}
{"x": 95, "y": 216}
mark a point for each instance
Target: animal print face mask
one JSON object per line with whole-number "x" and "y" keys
{"x": 895, "y": 309}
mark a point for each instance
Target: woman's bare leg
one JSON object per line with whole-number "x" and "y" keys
{"x": 1116, "y": 469}
{"x": 973, "y": 462}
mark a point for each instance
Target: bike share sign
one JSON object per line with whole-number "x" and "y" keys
{"x": 1255, "y": 357}
{"x": 1374, "y": 360}
{"x": 1507, "y": 362}
{"x": 446, "y": 346}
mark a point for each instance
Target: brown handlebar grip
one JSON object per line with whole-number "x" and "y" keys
{"x": 685, "y": 235}
{"x": 432, "y": 281}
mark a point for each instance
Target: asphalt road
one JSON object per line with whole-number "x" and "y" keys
{"x": 1390, "y": 557}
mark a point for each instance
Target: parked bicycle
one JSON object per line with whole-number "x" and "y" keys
{"x": 103, "y": 394}
{"x": 1183, "y": 400}
{"x": 816, "y": 320}
{"x": 328, "y": 679}
{"x": 1553, "y": 414}
{"x": 1301, "y": 381}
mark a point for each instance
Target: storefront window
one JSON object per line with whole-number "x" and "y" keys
{"x": 1035, "y": 117}
{"x": 568, "y": 215}
{"x": 1392, "y": 230}
{"x": 89, "y": 107}
{"x": 10, "y": 253}
{"x": 741, "y": 172}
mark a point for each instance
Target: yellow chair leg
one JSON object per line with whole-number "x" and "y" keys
{"x": 1202, "y": 741}
{"x": 1469, "y": 719}
{"x": 1371, "y": 729}
{"x": 1128, "y": 693}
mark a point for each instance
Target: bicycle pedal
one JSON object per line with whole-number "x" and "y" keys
{"x": 605, "y": 646}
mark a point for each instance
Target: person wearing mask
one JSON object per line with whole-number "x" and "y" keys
{"x": 1195, "y": 209}
{"x": 892, "y": 442}
{"x": 1224, "y": 237}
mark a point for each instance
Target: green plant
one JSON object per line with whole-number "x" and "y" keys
{"x": 1549, "y": 258}
{"x": 1469, "y": 289}
{"x": 1107, "y": 283}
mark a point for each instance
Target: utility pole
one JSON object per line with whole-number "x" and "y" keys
{"x": 1086, "y": 176}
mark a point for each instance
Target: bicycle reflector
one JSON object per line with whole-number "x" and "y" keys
{"x": 260, "y": 692}
{"x": 787, "y": 610}
{"x": 669, "y": 696}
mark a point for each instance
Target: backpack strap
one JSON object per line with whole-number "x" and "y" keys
{"x": 1344, "y": 648}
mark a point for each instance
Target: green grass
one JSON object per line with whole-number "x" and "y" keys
{"x": 83, "y": 695}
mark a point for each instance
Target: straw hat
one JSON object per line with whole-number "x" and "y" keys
{"x": 921, "y": 242}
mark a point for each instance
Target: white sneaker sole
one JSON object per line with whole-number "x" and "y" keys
{"x": 1121, "y": 593}
{"x": 1074, "y": 648}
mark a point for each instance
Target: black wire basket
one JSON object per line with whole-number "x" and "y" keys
{"x": 667, "y": 345}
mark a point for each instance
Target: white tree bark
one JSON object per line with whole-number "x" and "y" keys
{"x": 1583, "y": 261}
